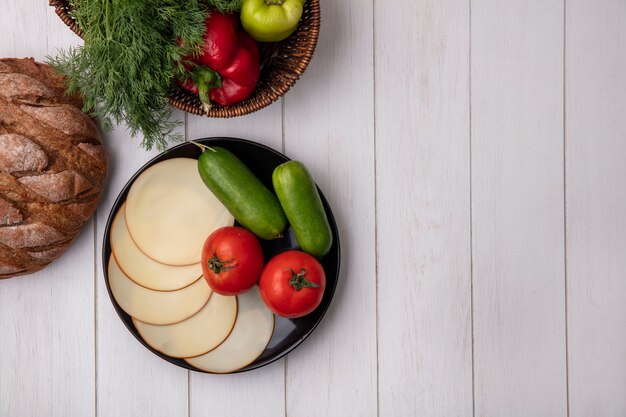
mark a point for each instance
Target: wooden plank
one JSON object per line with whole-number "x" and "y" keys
{"x": 24, "y": 24}
{"x": 262, "y": 392}
{"x": 47, "y": 319}
{"x": 263, "y": 126}
{"x": 131, "y": 381}
{"x": 257, "y": 393}
{"x": 329, "y": 125}
{"x": 518, "y": 207}
{"x": 596, "y": 203}
{"x": 47, "y": 341}
{"x": 423, "y": 205}
{"x": 58, "y": 36}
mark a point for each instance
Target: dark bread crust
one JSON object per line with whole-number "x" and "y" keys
{"x": 52, "y": 167}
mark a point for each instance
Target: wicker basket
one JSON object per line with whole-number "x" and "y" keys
{"x": 281, "y": 65}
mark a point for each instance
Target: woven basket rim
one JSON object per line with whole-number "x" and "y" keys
{"x": 294, "y": 53}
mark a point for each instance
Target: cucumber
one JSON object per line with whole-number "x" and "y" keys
{"x": 302, "y": 204}
{"x": 254, "y": 206}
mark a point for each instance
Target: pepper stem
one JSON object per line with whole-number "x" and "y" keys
{"x": 274, "y": 2}
{"x": 298, "y": 281}
{"x": 205, "y": 79}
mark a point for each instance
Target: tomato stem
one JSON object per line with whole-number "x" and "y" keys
{"x": 216, "y": 265}
{"x": 298, "y": 280}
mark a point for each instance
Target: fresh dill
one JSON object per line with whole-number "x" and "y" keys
{"x": 225, "y": 6}
{"x": 133, "y": 52}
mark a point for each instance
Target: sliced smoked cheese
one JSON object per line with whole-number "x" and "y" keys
{"x": 250, "y": 336}
{"x": 156, "y": 307}
{"x": 198, "y": 334}
{"x": 143, "y": 270}
{"x": 170, "y": 212}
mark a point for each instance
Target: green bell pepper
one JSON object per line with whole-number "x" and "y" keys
{"x": 271, "y": 20}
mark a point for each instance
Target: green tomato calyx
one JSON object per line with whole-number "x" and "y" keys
{"x": 216, "y": 265}
{"x": 298, "y": 280}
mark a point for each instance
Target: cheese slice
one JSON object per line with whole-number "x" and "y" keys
{"x": 143, "y": 270}
{"x": 170, "y": 212}
{"x": 250, "y": 336}
{"x": 198, "y": 334}
{"x": 156, "y": 307}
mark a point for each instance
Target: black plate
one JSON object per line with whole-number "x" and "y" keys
{"x": 288, "y": 333}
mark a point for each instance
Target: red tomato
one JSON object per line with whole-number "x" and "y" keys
{"x": 292, "y": 284}
{"x": 232, "y": 260}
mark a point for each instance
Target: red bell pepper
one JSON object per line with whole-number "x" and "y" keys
{"x": 229, "y": 67}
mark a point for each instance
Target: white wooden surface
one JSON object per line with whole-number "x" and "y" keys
{"x": 596, "y": 204}
{"x": 474, "y": 152}
{"x": 423, "y": 209}
{"x": 518, "y": 208}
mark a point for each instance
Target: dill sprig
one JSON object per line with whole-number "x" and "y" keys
{"x": 226, "y": 6}
{"x": 133, "y": 52}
